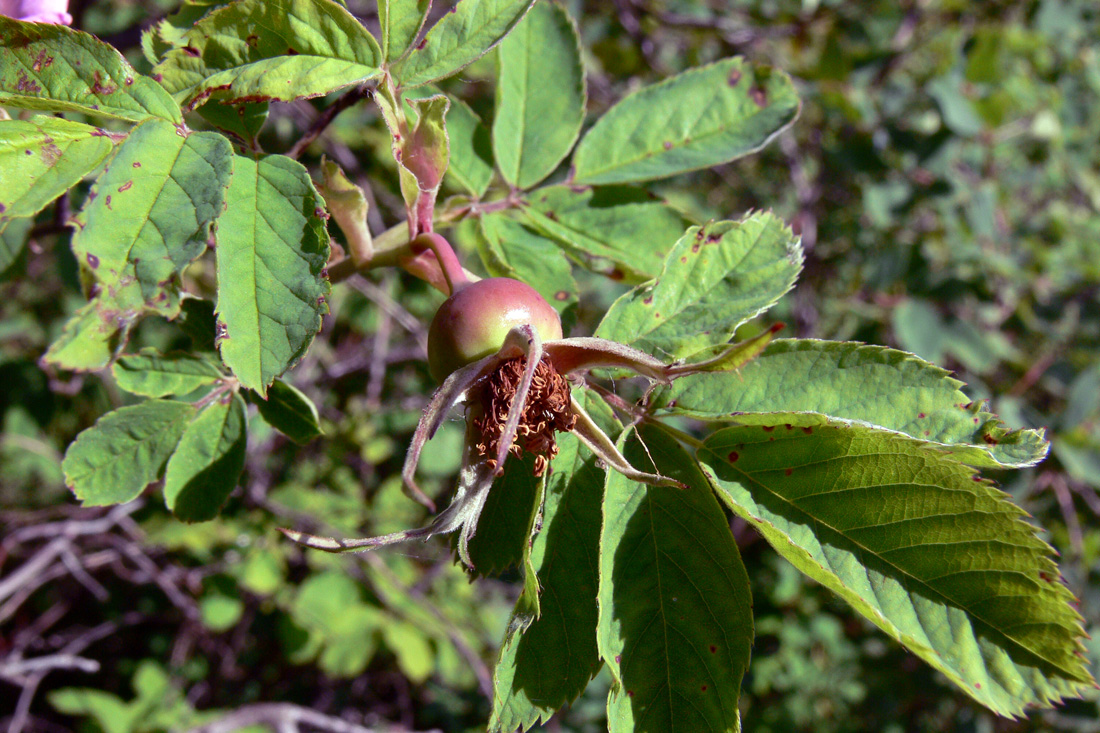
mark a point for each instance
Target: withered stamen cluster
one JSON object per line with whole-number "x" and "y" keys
{"x": 547, "y": 411}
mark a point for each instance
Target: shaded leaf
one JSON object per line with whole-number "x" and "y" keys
{"x": 697, "y": 119}
{"x": 272, "y": 248}
{"x": 13, "y": 239}
{"x": 208, "y": 461}
{"x": 619, "y": 230}
{"x": 55, "y": 68}
{"x": 715, "y": 278}
{"x": 42, "y": 158}
{"x": 503, "y": 529}
{"x": 675, "y": 621}
{"x": 540, "y": 95}
{"x": 161, "y": 375}
{"x": 148, "y": 216}
{"x": 290, "y": 412}
{"x": 401, "y": 21}
{"x": 513, "y": 250}
{"x": 260, "y": 50}
{"x": 940, "y": 560}
{"x": 125, "y": 451}
{"x": 459, "y": 38}
{"x": 548, "y": 661}
{"x": 871, "y": 384}
{"x": 241, "y": 121}
{"x": 471, "y": 162}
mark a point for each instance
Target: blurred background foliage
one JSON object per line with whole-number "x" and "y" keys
{"x": 945, "y": 178}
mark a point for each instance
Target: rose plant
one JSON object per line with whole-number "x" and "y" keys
{"x": 859, "y": 464}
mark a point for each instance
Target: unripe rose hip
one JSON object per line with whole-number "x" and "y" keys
{"x": 474, "y": 322}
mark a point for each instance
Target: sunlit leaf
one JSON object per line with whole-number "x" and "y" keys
{"x": 125, "y": 451}
{"x": 939, "y": 559}
{"x": 715, "y": 278}
{"x": 161, "y": 375}
{"x": 260, "y": 50}
{"x": 42, "y": 158}
{"x": 698, "y": 119}
{"x": 458, "y": 39}
{"x": 871, "y": 384}
{"x": 55, "y": 68}
{"x": 148, "y": 216}
{"x": 272, "y": 248}
{"x": 401, "y": 21}
{"x": 540, "y": 96}
{"x": 513, "y": 250}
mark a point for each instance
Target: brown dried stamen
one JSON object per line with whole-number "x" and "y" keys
{"x": 548, "y": 410}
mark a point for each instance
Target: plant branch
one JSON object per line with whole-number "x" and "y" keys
{"x": 325, "y": 119}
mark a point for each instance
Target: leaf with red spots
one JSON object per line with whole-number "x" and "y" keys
{"x": 135, "y": 241}
{"x": 58, "y": 69}
{"x": 698, "y": 119}
{"x": 733, "y": 272}
{"x": 873, "y": 385}
{"x": 292, "y": 49}
{"x": 937, "y": 558}
{"x": 459, "y": 38}
{"x": 43, "y": 157}
{"x": 510, "y": 249}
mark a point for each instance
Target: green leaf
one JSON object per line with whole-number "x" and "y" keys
{"x": 401, "y": 21}
{"x": 698, "y": 119}
{"x": 13, "y": 239}
{"x": 675, "y": 621}
{"x": 58, "y": 69}
{"x": 272, "y": 249}
{"x": 161, "y": 375}
{"x": 471, "y": 163}
{"x": 503, "y": 529}
{"x": 540, "y": 97}
{"x": 629, "y": 227}
{"x": 290, "y": 412}
{"x": 715, "y": 278}
{"x": 870, "y": 384}
{"x": 260, "y": 50}
{"x": 549, "y": 663}
{"x": 241, "y": 121}
{"x": 148, "y": 216}
{"x": 208, "y": 461}
{"x": 513, "y": 250}
{"x": 926, "y": 550}
{"x": 459, "y": 38}
{"x": 125, "y": 451}
{"x": 42, "y": 158}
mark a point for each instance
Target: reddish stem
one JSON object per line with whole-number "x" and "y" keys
{"x": 430, "y": 245}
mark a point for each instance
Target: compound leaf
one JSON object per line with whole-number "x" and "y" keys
{"x": 937, "y": 558}
{"x": 272, "y": 248}
{"x": 717, "y": 277}
{"x": 698, "y": 119}
{"x": 125, "y": 451}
